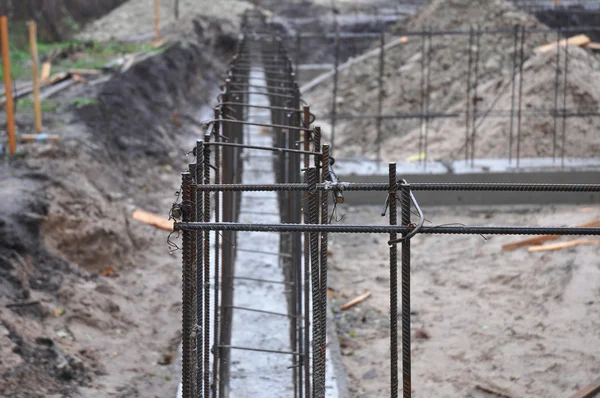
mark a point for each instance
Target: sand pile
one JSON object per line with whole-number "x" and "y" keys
{"x": 449, "y": 59}
{"x": 538, "y": 126}
{"x": 134, "y": 20}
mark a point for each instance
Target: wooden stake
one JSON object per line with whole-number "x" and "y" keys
{"x": 355, "y": 301}
{"x": 563, "y": 245}
{"x": 156, "y": 20}
{"x": 37, "y": 104}
{"x": 10, "y": 106}
{"x": 588, "y": 391}
{"x": 538, "y": 240}
{"x": 153, "y": 219}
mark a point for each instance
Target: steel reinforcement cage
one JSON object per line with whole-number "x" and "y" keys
{"x": 306, "y": 186}
{"x": 520, "y": 41}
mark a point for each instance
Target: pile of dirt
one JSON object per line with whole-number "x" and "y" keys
{"x": 541, "y": 134}
{"x": 449, "y": 60}
{"x": 134, "y": 20}
{"x": 83, "y": 290}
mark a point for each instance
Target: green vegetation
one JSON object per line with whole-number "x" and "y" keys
{"x": 66, "y": 55}
{"x": 26, "y": 104}
{"x": 83, "y": 102}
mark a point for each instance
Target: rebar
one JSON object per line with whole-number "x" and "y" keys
{"x": 304, "y": 206}
{"x": 187, "y": 273}
{"x": 393, "y": 189}
{"x": 314, "y": 262}
{"x": 217, "y": 264}
{"x": 323, "y": 270}
{"x": 520, "y": 106}
{"x": 406, "y": 359}
{"x": 200, "y": 275}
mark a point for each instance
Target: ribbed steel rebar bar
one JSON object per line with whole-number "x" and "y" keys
{"x": 520, "y": 97}
{"x": 406, "y": 359}
{"x": 305, "y": 206}
{"x": 323, "y": 268}
{"x": 386, "y": 229}
{"x": 200, "y": 283}
{"x": 316, "y": 298}
{"x": 393, "y": 283}
{"x": 187, "y": 274}
{"x": 383, "y": 187}
{"x": 206, "y": 170}
{"x": 217, "y": 269}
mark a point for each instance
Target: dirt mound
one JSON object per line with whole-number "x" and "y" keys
{"x": 134, "y": 20}
{"x": 539, "y": 130}
{"x": 65, "y": 211}
{"x": 449, "y": 60}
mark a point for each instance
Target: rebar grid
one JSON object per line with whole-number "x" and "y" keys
{"x": 305, "y": 265}
{"x": 471, "y": 113}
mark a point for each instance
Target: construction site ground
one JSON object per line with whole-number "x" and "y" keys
{"x": 486, "y": 322}
{"x": 90, "y": 300}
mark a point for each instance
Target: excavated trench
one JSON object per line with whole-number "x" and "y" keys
{"x": 89, "y": 299}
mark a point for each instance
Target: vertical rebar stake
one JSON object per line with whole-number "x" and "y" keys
{"x": 421, "y": 116}
{"x": 406, "y": 360}
{"x": 475, "y": 97}
{"x": 556, "y": 85}
{"x": 217, "y": 281}
{"x": 564, "y": 120}
{"x": 206, "y": 149}
{"x": 381, "y": 91}
{"x": 512, "y": 98}
{"x": 468, "y": 110}
{"x": 520, "y": 105}
{"x": 323, "y": 268}
{"x": 393, "y": 190}
{"x": 187, "y": 244}
{"x": 314, "y": 263}
{"x": 335, "y": 84}
{"x": 199, "y": 276}
{"x": 427, "y": 99}
{"x": 306, "y": 124}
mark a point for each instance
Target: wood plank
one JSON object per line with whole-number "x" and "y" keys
{"x": 85, "y": 71}
{"x": 538, "y": 240}
{"x": 39, "y": 137}
{"x": 578, "y": 41}
{"x": 593, "y": 46}
{"x": 55, "y": 89}
{"x": 588, "y": 391}
{"x": 155, "y": 220}
{"x": 563, "y": 245}
{"x": 355, "y": 301}
{"x": 46, "y": 69}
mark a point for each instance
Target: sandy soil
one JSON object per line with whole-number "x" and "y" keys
{"x": 519, "y": 323}
{"x": 134, "y": 20}
{"x": 89, "y": 299}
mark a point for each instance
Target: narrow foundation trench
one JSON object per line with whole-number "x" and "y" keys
{"x": 255, "y": 373}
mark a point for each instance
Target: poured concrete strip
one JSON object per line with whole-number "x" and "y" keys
{"x": 530, "y": 171}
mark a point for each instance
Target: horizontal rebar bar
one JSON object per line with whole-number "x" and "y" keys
{"x": 279, "y": 126}
{"x": 246, "y": 278}
{"x": 340, "y": 228}
{"x": 384, "y": 187}
{"x": 285, "y": 255}
{"x": 260, "y": 311}
{"x": 264, "y": 148}
{"x": 233, "y": 347}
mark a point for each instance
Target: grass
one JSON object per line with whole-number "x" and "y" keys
{"x": 82, "y": 102}
{"x": 48, "y": 105}
{"x": 88, "y": 55}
